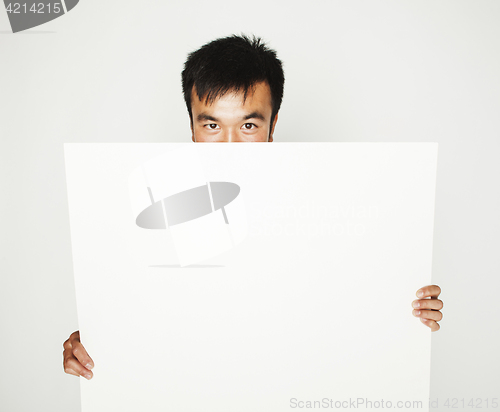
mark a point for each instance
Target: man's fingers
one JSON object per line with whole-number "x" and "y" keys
{"x": 428, "y": 310}
{"x": 75, "y": 336}
{"x": 71, "y": 364}
{"x": 436, "y": 304}
{"x": 431, "y": 291}
{"x": 67, "y": 344}
{"x": 429, "y": 314}
{"x": 76, "y": 360}
{"x": 431, "y": 324}
{"x": 81, "y": 354}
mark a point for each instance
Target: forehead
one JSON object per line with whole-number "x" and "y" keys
{"x": 258, "y": 98}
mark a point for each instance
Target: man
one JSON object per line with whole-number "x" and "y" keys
{"x": 233, "y": 89}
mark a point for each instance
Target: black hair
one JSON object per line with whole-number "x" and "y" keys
{"x": 232, "y": 63}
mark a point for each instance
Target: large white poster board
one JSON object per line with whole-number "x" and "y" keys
{"x": 305, "y": 296}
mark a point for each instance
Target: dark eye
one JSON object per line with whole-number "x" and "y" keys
{"x": 212, "y": 126}
{"x": 248, "y": 125}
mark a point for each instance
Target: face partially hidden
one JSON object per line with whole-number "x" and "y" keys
{"x": 228, "y": 119}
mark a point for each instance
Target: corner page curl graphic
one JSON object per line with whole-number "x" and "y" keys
{"x": 25, "y": 14}
{"x": 204, "y": 218}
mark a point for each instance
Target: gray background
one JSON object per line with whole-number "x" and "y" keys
{"x": 355, "y": 71}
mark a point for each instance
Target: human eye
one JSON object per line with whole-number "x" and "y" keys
{"x": 249, "y": 126}
{"x": 211, "y": 126}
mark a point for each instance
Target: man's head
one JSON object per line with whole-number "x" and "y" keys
{"x": 233, "y": 89}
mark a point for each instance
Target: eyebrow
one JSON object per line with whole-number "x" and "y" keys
{"x": 254, "y": 115}
{"x": 203, "y": 116}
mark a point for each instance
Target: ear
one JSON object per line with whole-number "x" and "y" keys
{"x": 272, "y": 128}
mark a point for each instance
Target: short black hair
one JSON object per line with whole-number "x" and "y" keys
{"x": 232, "y": 63}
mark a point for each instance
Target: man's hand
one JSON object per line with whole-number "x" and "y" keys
{"x": 76, "y": 360}
{"x": 428, "y": 310}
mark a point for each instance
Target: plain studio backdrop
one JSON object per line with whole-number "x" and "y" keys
{"x": 109, "y": 71}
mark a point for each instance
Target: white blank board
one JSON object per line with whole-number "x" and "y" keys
{"x": 313, "y": 305}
